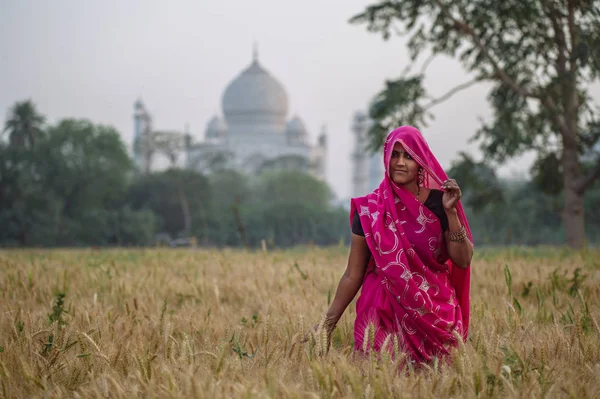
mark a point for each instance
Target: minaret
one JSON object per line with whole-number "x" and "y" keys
{"x": 367, "y": 167}
{"x": 319, "y": 156}
{"x": 138, "y": 125}
{"x": 141, "y": 128}
{"x": 359, "y": 158}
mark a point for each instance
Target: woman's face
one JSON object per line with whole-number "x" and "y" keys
{"x": 403, "y": 169}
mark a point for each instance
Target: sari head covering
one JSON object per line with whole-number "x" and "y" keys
{"x": 412, "y": 292}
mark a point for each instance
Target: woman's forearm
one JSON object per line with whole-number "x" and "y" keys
{"x": 460, "y": 252}
{"x": 346, "y": 291}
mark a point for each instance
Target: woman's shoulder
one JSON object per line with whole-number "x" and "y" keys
{"x": 357, "y": 225}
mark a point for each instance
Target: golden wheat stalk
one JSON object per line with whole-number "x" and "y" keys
{"x": 99, "y": 352}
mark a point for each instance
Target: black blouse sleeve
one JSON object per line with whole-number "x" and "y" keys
{"x": 434, "y": 203}
{"x": 356, "y": 226}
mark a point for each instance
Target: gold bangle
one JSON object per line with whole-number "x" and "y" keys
{"x": 458, "y": 236}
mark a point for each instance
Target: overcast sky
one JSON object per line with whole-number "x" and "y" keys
{"x": 92, "y": 59}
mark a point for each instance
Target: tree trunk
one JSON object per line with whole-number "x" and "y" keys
{"x": 185, "y": 210}
{"x": 238, "y": 220}
{"x": 573, "y": 215}
{"x": 117, "y": 226}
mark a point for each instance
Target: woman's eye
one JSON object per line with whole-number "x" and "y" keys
{"x": 407, "y": 155}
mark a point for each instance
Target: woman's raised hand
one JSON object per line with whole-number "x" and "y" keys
{"x": 452, "y": 194}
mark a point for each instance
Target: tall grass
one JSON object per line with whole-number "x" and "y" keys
{"x": 181, "y": 323}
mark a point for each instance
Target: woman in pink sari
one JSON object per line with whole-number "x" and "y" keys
{"x": 411, "y": 252}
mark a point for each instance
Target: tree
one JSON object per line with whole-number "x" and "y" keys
{"x": 287, "y": 207}
{"x": 178, "y": 197}
{"x": 26, "y": 205}
{"x": 227, "y": 186}
{"x": 86, "y": 166}
{"x": 292, "y": 187}
{"x": 230, "y": 190}
{"x": 24, "y": 125}
{"x": 478, "y": 182}
{"x": 539, "y": 57}
{"x": 286, "y": 224}
{"x": 69, "y": 189}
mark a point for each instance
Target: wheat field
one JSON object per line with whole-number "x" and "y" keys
{"x": 207, "y": 323}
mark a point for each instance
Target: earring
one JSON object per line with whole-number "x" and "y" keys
{"x": 421, "y": 177}
{"x": 420, "y": 182}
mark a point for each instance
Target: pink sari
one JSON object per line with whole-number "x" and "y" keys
{"x": 411, "y": 289}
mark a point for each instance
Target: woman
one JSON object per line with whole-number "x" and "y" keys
{"x": 411, "y": 251}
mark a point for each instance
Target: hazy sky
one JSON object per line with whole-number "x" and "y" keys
{"x": 92, "y": 59}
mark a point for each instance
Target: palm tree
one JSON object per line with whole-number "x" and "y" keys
{"x": 24, "y": 124}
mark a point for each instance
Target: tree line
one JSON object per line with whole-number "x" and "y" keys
{"x": 519, "y": 212}
{"x": 74, "y": 184}
{"x": 541, "y": 58}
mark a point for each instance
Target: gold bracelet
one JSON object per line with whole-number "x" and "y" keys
{"x": 458, "y": 236}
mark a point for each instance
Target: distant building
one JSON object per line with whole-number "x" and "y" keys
{"x": 367, "y": 167}
{"x": 253, "y": 135}
{"x": 148, "y": 142}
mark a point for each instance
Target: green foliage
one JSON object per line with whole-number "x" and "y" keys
{"x": 396, "y": 104}
{"x": 25, "y": 203}
{"x": 170, "y": 195}
{"x": 135, "y": 227}
{"x": 24, "y": 125}
{"x": 289, "y": 223}
{"x": 479, "y": 182}
{"x": 86, "y": 164}
{"x": 539, "y": 57}
{"x": 251, "y": 323}
{"x": 562, "y": 283}
{"x": 58, "y": 309}
{"x": 304, "y": 275}
{"x": 68, "y": 189}
{"x": 505, "y": 212}
{"x": 291, "y": 187}
{"x": 228, "y": 187}
{"x": 47, "y": 347}
{"x": 547, "y": 174}
{"x": 542, "y": 59}
{"x": 238, "y": 347}
{"x": 75, "y": 187}
{"x": 525, "y": 216}
{"x": 592, "y": 216}
{"x": 508, "y": 278}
